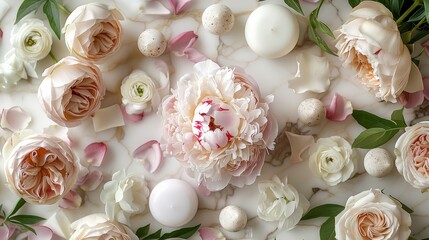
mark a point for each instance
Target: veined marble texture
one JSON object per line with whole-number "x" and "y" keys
{"x": 272, "y": 75}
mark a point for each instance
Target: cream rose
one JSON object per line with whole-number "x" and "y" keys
{"x": 280, "y": 202}
{"x": 372, "y": 215}
{"x": 124, "y": 196}
{"x": 98, "y": 226}
{"x": 370, "y": 43}
{"x": 71, "y": 91}
{"x": 39, "y": 168}
{"x": 14, "y": 69}
{"x": 411, "y": 155}
{"x": 332, "y": 159}
{"x": 138, "y": 90}
{"x": 93, "y": 31}
{"x": 31, "y": 39}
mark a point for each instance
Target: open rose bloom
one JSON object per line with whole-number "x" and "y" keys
{"x": 218, "y": 126}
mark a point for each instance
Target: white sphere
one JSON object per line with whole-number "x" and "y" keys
{"x": 232, "y": 218}
{"x": 152, "y": 43}
{"x": 378, "y": 162}
{"x": 218, "y": 19}
{"x": 311, "y": 111}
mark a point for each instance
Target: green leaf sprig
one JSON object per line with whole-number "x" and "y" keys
{"x": 183, "y": 233}
{"x": 24, "y": 221}
{"x": 327, "y": 229}
{"x": 378, "y": 130}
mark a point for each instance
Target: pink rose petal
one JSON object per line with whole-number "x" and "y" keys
{"x": 150, "y": 154}
{"x": 298, "y": 144}
{"x": 411, "y": 100}
{"x": 182, "y": 45}
{"x": 14, "y": 119}
{"x": 155, "y": 8}
{"x": 4, "y": 232}
{"x": 134, "y": 118}
{"x": 179, "y": 6}
{"x": 208, "y": 233}
{"x": 95, "y": 153}
{"x": 426, "y": 87}
{"x": 71, "y": 200}
{"x": 91, "y": 181}
{"x": 339, "y": 109}
{"x": 42, "y": 233}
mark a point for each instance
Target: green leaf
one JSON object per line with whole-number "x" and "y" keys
{"x": 18, "y": 206}
{"x": 27, "y": 219}
{"x": 417, "y": 15}
{"x": 374, "y": 137}
{"x": 405, "y": 207}
{"x": 326, "y": 210}
{"x": 183, "y": 233}
{"x": 398, "y": 117}
{"x": 327, "y": 230}
{"x": 27, "y": 7}
{"x": 143, "y": 231}
{"x": 426, "y": 4}
{"x": 354, "y": 3}
{"x": 320, "y": 42}
{"x": 417, "y": 35}
{"x": 154, "y": 235}
{"x": 28, "y": 228}
{"x": 396, "y": 7}
{"x": 325, "y": 29}
{"x": 411, "y": 238}
{"x": 53, "y": 13}
{"x": 294, "y": 4}
{"x": 369, "y": 120}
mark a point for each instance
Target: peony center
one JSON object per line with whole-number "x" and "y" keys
{"x": 365, "y": 70}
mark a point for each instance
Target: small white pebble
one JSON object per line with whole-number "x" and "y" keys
{"x": 311, "y": 111}
{"x": 232, "y": 218}
{"x": 378, "y": 162}
{"x": 152, "y": 43}
{"x": 218, "y": 19}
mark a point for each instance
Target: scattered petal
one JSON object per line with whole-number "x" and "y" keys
{"x": 150, "y": 154}
{"x": 4, "y": 232}
{"x": 179, "y": 6}
{"x": 298, "y": 144}
{"x": 91, "y": 181}
{"x": 42, "y": 233}
{"x": 312, "y": 75}
{"x": 14, "y": 119}
{"x": 59, "y": 132}
{"x": 138, "y": 10}
{"x": 415, "y": 82}
{"x": 426, "y": 87}
{"x": 95, "y": 153}
{"x": 71, "y": 200}
{"x": 107, "y": 118}
{"x": 59, "y": 224}
{"x": 411, "y": 100}
{"x": 134, "y": 118}
{"x": 4, "y": 7}
{"x": 208, "y": 233}
{"x": 182, "y": 45}
{"x": 339, "y": 109}
{"x": 164, "y": 78}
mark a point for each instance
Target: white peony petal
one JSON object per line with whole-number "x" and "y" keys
{"x": 107, "y": 118}
{"x": 14, "y": 119}
{"x": 150, "y": 155}
{"x": 59, "y": 223}
{"x": 415, "y": 81}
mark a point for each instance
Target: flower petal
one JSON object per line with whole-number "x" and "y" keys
{"x": 411, "y": 100}
{"x": 312, "y": 1}
{"x": 4, "y": 7}
{"x": 4, "y": 232}
{"x": 95, "y": 153}
{"x": 1, "y": 34}
{"x": 150, "y": 154}
{"x": 59, "y": 132}
{"x": 339, "y": 109}
{"x": 71, "y": 200}
{"x": 42, "y": 233}
{"x": 155, "y": 8}
{"x": 179, "y": 6}
{"x": 107, "y": 118}
{"x": 134, "y": 118}
{"x": 91, "y": 181}
{"x": 208, "y": 233}
{"x": 426, "y": 87}
{"x": 59, "y": 224}
{"x": 415, "y": 82}
{"x": 182, "y": 45}
{"x": 14, "y": 119}
{"x": 298, "y": 144}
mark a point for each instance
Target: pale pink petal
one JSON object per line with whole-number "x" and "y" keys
{"x": 150, "y": 154}
{"x": 14, "y": 119}
{"x": 425, "y": 45}
{"x": 95, "y": 153}
{"x": 4, "y": 232}
{"x": 134, "y": 118}
{"x": 179, "y": 6}
{"x": 59, "y": 132}
{"x": 426, "y": 87}
{"x": 1, "y": 34}
{"x": 91, "y": 181}
{"x": 164, "y": 78}
{"x": 339, "y": 109}
{"x": 411, "y": 100}
{"x": 71, "y": 200}
{"x": 42, "y": 233}
{"x": 298, "y": 144}
{"x": 208, "y": 233}
{"x": 204, "y": 190}
{"x": 155, "y": 8}
{"x": 182, "y": 45}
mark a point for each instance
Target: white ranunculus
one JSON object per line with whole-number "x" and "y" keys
{"x": 124, "y": 196}
{"x": 371, "y": 43}
{"x": 372, "y": 215}
{"x": 98, "y": 226}
{"x": 280, "y": 202}
{"x": 138, "y": 91}
{"x": 411, "y": 155}
{"x": 14, "y": 69}
{"x": 31, "y": 39}
{"x": 333, "y": 160}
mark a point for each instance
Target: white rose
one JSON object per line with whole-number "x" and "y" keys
{"x": 31, "y": 39}
{"x": 138, "y": 91}
{"x": 98, "y": 226}
{"x": 280, "y": 202}
{"x": 332, "y": 159}
{"x": 372, "y": 215}
{"x": 411, "y": 155}
{"x": 14, "y": 69}
{"x": 371, "y": 43}
{"x": 124, "y": 196}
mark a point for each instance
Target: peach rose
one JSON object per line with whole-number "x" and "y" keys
{"x": 71, "y": 91}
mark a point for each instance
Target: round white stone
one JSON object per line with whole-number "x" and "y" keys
{"x": 218, "y": 19}
{"x": 311, "y": 111}
{"x": 232, "y": 218}
{"x": 378, "y": 162}
{"x": 152, "y": 43}
{"x": 272, "y": 31}
{"x": 173, "y": 202}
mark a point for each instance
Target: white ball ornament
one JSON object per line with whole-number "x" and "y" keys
{"x": 233, "y": 218}
{"x": 311, "y": 111}
{"x": 152, "y": 43}
{"x": 378, "y": 162}
{"x": 218, "y": 19}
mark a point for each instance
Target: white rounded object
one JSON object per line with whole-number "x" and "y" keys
{"x": 218, "y": 19}
{"x": 232, "y": 218}
{"x": 152, "y": 43}
{"x": 272, "y": 31}
{"x": 173, "y": 202}
{"x": 378, "y": 162}
{"x": 311, "y": 111}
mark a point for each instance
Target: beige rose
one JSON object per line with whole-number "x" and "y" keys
{"x": 71, "y": 91}
{"x": 39, "y": 168}
{"x": 93, "y": 31}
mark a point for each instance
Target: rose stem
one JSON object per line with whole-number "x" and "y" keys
{"x": 409, "y": 10}
{"x": 53, "y": 57}
{"x": 63, "y": 8}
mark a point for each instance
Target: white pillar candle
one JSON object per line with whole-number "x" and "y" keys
{"x": 173, "y": 202}
{"x": 271, "y": 31}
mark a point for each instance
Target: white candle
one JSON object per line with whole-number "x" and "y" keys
{"x": 173, "y": 202}
{"x": 272, "y": 31}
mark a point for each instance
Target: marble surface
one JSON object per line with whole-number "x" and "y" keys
{"x": 271, "y": 74}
